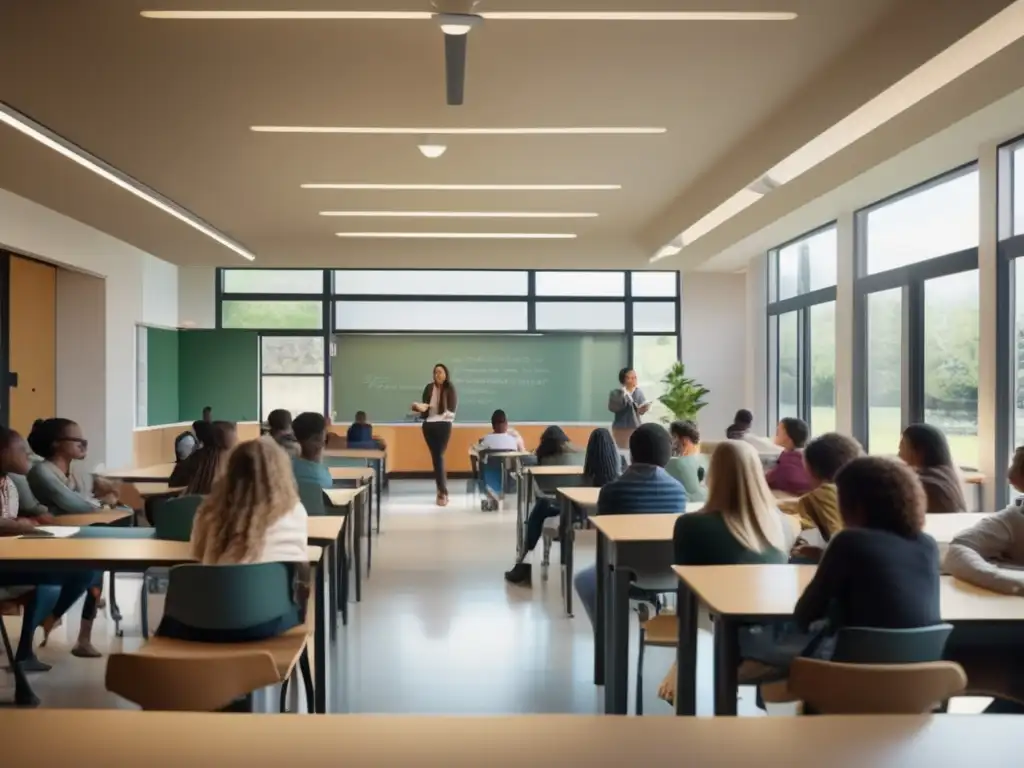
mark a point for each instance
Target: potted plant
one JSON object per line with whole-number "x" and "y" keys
{"x": 683, "y": 397}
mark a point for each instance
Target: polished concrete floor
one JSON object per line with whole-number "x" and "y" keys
{"x": 438, "y": 630}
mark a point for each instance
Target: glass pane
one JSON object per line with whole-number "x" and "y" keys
{"x": 293, "y": 393}
{"x": 654, "y": 317}
{"x": 951, "y": 334}
{"x": 808, "y": 264}
{"x": 466, "y": 316}
{"x": 939, "y": 219}
{"x": 581, "y": 284}
{"x": 823, "y": 368}
{"x": 427, "y": 282}
{"x": 1018, "y": 190}
{"x": 885, "y": 372}
{"x": 789, "y": 365}
{"x": 581, "y": 316}
{"x": 272, "y": 315}
{"x": 292, "y": 354}
{"x": 653, "y": 356}
{"x": 273, "y": 281}
{"x": 654, "y": 284}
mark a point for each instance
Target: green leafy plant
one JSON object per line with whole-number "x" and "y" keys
{"x": 683, "y": 397}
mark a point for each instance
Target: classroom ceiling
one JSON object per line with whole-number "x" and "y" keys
{"x": 171, "y": 103}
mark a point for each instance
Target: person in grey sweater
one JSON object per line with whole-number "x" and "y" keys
{"x": 991, "y": 553}
{"x": 629, "y": 405}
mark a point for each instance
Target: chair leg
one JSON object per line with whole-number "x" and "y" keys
{"x": 307, "y": 678}
{"x": 640, "y": 673}
{"x": 547, "y": 550}
{"x": 24, "y": 696}
{"x": 282, "y": 704}
{"x": 115, "y": 611}
{"x": 144, "y": 607}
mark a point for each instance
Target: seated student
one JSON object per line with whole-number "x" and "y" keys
{"x": 740, "y": 524}
{"x": 492, "y": 473}
{"x": 360, "y": 433}
{"x": 279, "y": 422}
{"x": 924, "y": 448}
{"x": 311, "y": 433}
{"x": 990, "y": 555}
{"x": 202, "y": 468}
{"x": 601, "y": 465}
{"x": 55, "y": 480}
{"x": 55, "y": 592}
{"x": 645, "y": 487}
{"x": 252, "y": 515}
{"x": 188, "y": 441}
{"x": 686, "y": 466}
{"x": 555, "y": 449}
{"x": 790, "y": 475}
{"x": 819, "y": 510}
{"x": 742, "y": 429}
{"x": 881, "y": 570}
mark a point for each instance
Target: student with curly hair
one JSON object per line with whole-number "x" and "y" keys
{"x": 686, "y": 465}
{"x": 819, "y": 510}
{"x": 790, "y": 475}
{"x": 252, "y": 515}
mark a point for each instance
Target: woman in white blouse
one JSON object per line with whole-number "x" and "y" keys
{"x": 437, "y": 409}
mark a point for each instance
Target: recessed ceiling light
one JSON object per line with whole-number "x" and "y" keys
{"x": 461, "y": 235}
{"x": 432, "y": 149}
{"x": 492, "y": 15}
{"x": 57, "y": 143}
{"x": 459, "y": 214}
{"x": 397, "y": 131}
{"x": 471, "y": 187}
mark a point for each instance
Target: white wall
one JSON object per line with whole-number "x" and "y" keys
{"x": 35, "y": 231}
{"x": 159, "y": 292}
{"x": 197, "y": 297}
{"x": 715, "y": 351}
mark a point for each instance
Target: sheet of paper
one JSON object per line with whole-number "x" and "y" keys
{"x": 60, "y": 531}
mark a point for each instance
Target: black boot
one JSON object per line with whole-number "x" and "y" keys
{"x": 521, "y": 573}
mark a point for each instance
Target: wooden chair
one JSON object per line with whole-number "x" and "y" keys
{"x": 661, "y": 631}
{"x": 832, "y": 688}
{"x": 12, "y": 601}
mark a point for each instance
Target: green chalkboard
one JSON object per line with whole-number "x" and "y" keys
{"x": 219, "y": 369}
{"x": 162, "y": 405}
{"x": 555, "y": 378}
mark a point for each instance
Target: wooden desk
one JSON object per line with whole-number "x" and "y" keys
{"x": 351, "y": 474}
{"x": 147, "y": 490}
{"x": 629, "y": 546}
{"x": 743, "y": 593}
{"x": 945, "y": 528}
{"x": 554, "y": 471}
{"x": 112, "y": 737}
{"x": 106, "y": 517}
{"x": 158, "y": 473}
{"x": 344, "y": 499}
{"x": 375, "y": 457}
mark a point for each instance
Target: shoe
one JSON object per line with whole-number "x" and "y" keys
{"x": 85, "y": 651}
{"x": 521, "y": 573}
{"x": 33, "y": 664}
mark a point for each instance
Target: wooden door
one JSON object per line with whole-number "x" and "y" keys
{"x": 32, "y": 342}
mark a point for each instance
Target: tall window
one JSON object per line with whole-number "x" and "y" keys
{"x": 801, "y": 323}
{"x": 917, "y": 349}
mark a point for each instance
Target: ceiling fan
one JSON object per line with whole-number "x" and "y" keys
{"x": 457, "y": 18}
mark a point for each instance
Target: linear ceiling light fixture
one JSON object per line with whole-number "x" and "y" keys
{"x": 470, "y": 187}
{"x": 459, "y": 214}
{"x": 400, "y": 131}
{"x": 461, "y": 235}
{"x": 257, "y": 15}
{"x": 989, "y": 38}
{"x": 46, "y": 137}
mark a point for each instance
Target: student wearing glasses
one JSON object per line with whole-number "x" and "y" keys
{"x": 56, "y": 480}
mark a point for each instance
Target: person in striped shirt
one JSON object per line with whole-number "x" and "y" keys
{"x": 644, "y": 488}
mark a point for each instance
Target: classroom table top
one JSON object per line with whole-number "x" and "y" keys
{"x": 155, "y": 489}
{"x": 476, "y": 448}
{"x": 355, "y": 453}
{"x": 325, "y": 529}
{"x": 945, "y": 528}
{"x": 342, "y": 497}
{"x": 553, "y": 471}
{"x": 973, "y": 477}
{"x": 102, "y": 517}
{"x": 112, "y": 737}
{"x": 583, "y": 497}
{"x": 152, "y": 473}
{"x": 637, "y": 527}
{"x": 112, "y": 553}
{"x": 357, "y": 474}
{"x": 773, "y": 590}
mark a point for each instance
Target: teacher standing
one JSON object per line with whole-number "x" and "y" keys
{"x": 437, "y": 408}
{"x": 628, "y": 404}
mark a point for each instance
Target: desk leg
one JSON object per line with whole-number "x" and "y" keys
{"x": 599, "y": 614}
{"x": 616, "y": 687}
{"x": 341, "y": 548}
{"x": 686, "y": 652}
{"x": 369, "y": 530}
{"x": 357, "y": 544}
{"x": 522, "y": 504}
{"x": 331, "y": 565}
{"x": 378, "y": 474}
{"x": 320, "y": 643}
{"x": 727, "y": 659}
{"x": 566, "y": 545}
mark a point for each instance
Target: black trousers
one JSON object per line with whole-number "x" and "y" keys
{"x": 437, "y": 434}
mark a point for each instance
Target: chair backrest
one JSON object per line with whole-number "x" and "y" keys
{"x": 189, "y": 681}
{"x": 545, "y": 485}
{"x": 312, "y": 497}
{"x": 871, "y": 645}
{"x": 226, "y": 597}
{"x": 173, "y": 518}
{"x": 829, "y": 688}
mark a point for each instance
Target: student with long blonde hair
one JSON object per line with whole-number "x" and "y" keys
{"x": 252, "y": 515}
{"x": 740, "y": 523}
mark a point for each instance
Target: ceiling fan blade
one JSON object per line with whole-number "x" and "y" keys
{"x": 455, "y": 67}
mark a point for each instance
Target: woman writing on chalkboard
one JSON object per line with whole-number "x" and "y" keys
{"x": 628, "y": 404}
{"x": 437, "y": 408}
